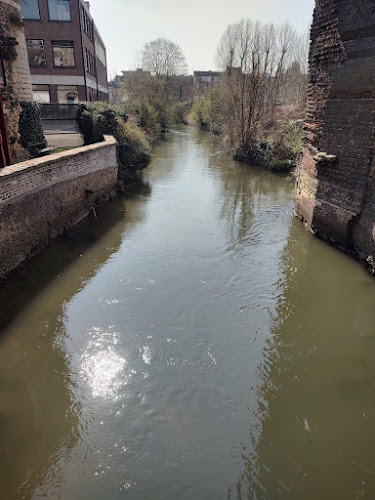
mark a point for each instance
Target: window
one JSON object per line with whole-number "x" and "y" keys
{"x": 41, "y": 94}
{"x": 30, "y": 9}
{"x": 67, "y": 94}
{"x": 63, "y": 54}
{"x": 89, "y": 62}
{"x": 86, "y": 23}
{"x": 36, "y": 53}
{"x": 100, "y": 51}
{"x": 91, "y": 94}
{"x": 59, "y": 10}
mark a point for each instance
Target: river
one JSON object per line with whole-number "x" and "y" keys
{"x": 193, "y": 342}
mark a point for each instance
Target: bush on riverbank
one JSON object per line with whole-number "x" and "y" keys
{"x": 206, "y": 110}
{"x": 280, "y": 151}
{"x": 253, "y": 106}
{"x": 31, "y": 129}
{"x": 133, "y": 146}
{"x": 276, "y": 144}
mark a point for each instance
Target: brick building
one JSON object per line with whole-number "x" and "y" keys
{"x": 204, "y": 79}
{"x": 66, "y": 53}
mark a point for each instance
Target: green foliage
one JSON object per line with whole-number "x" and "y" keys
{"x": 281, "y": 165}
{"x": 149, "y": 120}
{"x": 180, "y": 112}
{"x": 90, "y": 125}
{"x": 154, "y": 104}
{"x": 289, "y": 137}
{"x": 206, "y": 110}
{"x": 133, "y": 147}
{"x": 31, "y": 129}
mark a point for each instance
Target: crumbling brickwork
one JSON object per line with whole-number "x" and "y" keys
{"x": 17, "y": 71}
{"x": 335, "y": 192}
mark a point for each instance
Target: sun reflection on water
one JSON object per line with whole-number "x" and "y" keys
{"x": 102, "y": 371}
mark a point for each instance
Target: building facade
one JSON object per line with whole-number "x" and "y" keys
{"x": 66, "y": 53}
{"x": 204, "y": 79}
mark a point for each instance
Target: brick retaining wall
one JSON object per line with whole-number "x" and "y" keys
{"x": 335, "y": 192}
{"x": 41, "y": 198}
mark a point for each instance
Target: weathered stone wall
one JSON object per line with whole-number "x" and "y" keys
{"x": 335, "y": 191}
{"x": 17, "y": 72}
{"x": 43, "y": 197}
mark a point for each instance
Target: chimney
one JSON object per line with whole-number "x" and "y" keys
{"x": 88, "y": 5}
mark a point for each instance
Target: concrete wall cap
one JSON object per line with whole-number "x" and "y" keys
{"x": 18, "y": 168}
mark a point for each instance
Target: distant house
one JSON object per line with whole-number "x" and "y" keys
{"x": 116, "y": 87}
{"x": 204, "y": 79}
{"x": 181, "y": 86}
{"x": 137, "y": 72}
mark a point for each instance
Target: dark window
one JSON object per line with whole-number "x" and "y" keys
{"x": 86, "y": 23}
{"x": 36, "y": 53}
{"x": 63, "y": 54}
{"x": 30, "y": 9}
{"x": 67, "y": 94}
{"x": 41, "y": 94}
{"x": 90, "y": 62}
{"x": 59, "y": 10}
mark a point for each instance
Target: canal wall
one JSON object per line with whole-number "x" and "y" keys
{"x": 43, "y": 197}
{"x": 335, "y": 190}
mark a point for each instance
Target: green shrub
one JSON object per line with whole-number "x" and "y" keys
{"x": 180, "y": 112}
{"x": 281, "y": 165}
{"x": 96, "y": 119}
{"x": 133, "y": 147}
{"x": 206, "y": 110}
{"x": 31, "y": 129}
{"x": 90, "y": 126}
{"x": 149, "y": 121}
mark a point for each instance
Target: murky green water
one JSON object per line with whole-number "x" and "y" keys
{"x": 194, "y": 342}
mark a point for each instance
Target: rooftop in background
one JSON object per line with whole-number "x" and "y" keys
{"x": 208, "y": 73}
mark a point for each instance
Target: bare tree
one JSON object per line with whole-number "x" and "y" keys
{"x": 255, "y": 57}
{"x": 163, "y": 58}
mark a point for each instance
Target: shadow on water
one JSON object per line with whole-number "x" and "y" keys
{"x": 40, "y": 419}
{"x": 316, "y": 402}
{"x": 36, "y": 274}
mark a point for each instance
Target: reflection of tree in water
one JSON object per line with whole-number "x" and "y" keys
{"x": 39, "y": 416}
{"x": 311, "y": 438}
{"x": 246, "y": 192}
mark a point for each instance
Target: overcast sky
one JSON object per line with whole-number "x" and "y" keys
{"x": 196, "y": 25}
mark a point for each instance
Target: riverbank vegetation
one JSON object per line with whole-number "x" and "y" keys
{"x": 149, "y": 106}
{"x": 257, "y": 107}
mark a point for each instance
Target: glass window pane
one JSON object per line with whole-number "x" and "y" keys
{"x": 67, "y": 94}
{"x": 59, "y": 10}
{"x": 63, "y": 54}
{"x": 41, "y": 94}
{"x": 36, "y": 53}
{"x": 30, "y": 9}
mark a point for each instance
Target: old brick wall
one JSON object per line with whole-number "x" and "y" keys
{"x": 335, "y": 186}
{"x": 41, "y": 198}
{"x": 17, "y": 73}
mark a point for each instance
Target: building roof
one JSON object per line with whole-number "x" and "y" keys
{"x": 207, "y": 73}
